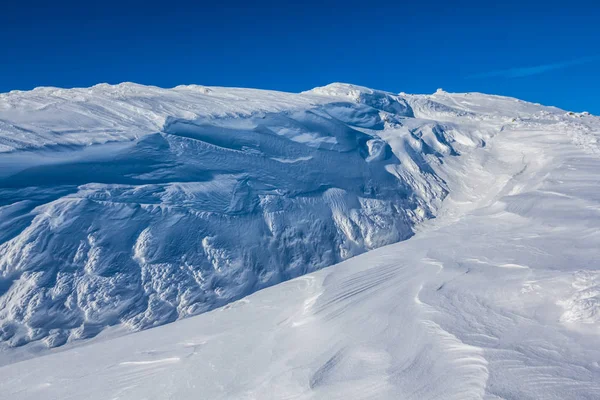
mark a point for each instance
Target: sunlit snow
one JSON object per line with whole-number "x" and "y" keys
{"x": 126, "y": 207}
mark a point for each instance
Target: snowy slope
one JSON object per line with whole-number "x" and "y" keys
{"x": 498, "y": 297}
{"x": 136, "y": 206}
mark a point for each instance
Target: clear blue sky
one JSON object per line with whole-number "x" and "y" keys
{"x": 547, "y": 52}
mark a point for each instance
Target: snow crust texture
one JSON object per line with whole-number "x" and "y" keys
{"x": 137, "y": 206}
{"x": 497, "y": 297}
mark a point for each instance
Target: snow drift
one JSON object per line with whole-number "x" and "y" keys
{"x": 207, "y": 194}
{"x": 138, "y": 206}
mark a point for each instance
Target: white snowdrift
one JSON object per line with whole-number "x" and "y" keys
{"x": 497, "y": 297}
{"x": 137, "y": 206}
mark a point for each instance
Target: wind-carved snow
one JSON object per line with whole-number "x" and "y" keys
{"x": 137, "y": 206}
{"x": 209, "y": 194}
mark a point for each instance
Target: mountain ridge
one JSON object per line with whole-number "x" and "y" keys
{"x": 496, "y": 297}
{"x": 136, "y": 206}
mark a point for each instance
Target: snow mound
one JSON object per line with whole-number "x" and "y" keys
{"x": 495, "y": 298}
{"x": 136, "y": 206}
{"x": 377, "y": 99}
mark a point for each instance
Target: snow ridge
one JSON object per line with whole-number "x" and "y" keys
{"x": 137, "y": 206}
{"x": 497, "y": 297}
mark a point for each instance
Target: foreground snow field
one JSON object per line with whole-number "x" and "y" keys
{"x": 497, "y": 297}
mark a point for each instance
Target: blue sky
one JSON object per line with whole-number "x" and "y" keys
{"x": 548, "y": 52}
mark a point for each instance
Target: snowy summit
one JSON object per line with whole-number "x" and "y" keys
{"x": 464, "y": 229}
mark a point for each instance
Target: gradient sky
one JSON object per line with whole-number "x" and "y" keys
{"x": 547, "y": 52}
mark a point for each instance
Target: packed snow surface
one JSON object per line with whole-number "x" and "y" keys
{"x": 125, "y": 207}
{"x": 137, "y": 206}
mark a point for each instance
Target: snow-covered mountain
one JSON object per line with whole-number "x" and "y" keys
{"x": 138, "y": 206}
{"x": 129, "y": 207}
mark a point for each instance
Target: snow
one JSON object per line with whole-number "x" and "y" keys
{"x": 137, "y": 206}
{"x": 496, "y": 297}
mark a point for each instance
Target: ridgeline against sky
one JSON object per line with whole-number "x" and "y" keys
{"x": 539, "y": 52}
